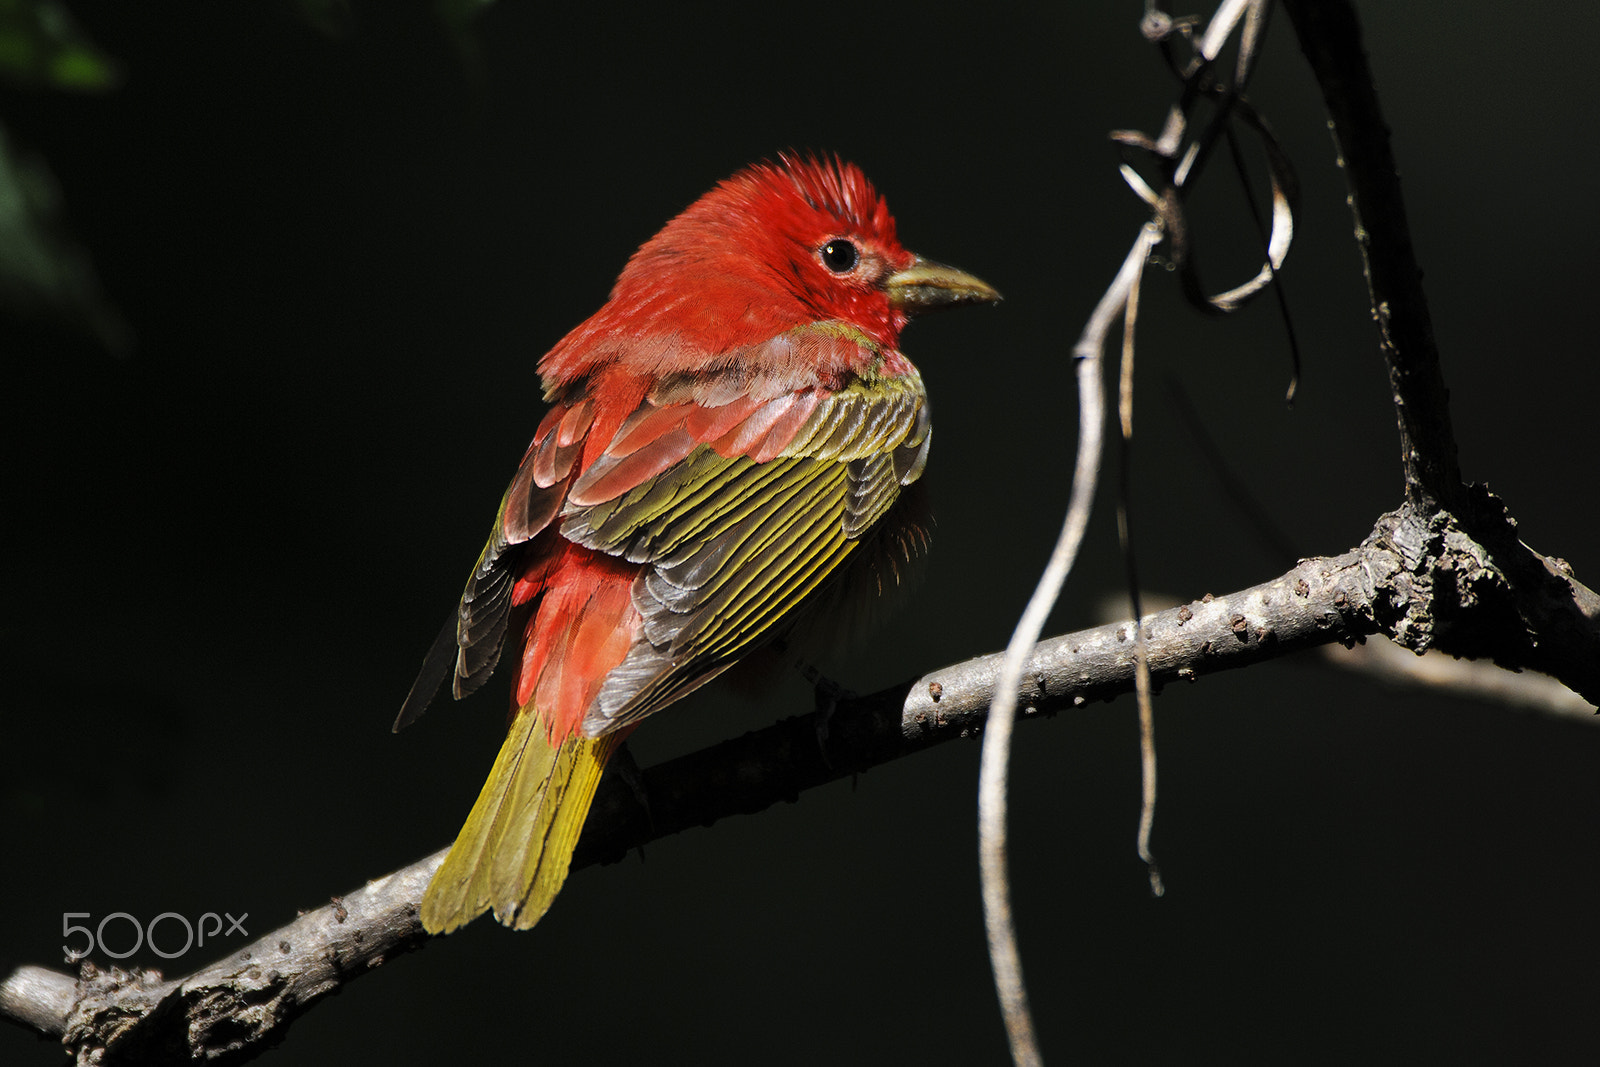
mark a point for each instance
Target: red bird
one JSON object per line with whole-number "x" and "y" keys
{"x": 727, "y": 442}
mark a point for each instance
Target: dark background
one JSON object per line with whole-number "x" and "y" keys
{"x": 339, "y": 258}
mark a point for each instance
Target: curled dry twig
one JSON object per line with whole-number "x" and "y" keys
{"x": 1180, "y": 158}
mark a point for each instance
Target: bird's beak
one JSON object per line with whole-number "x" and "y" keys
{"x": 927, "y": 286}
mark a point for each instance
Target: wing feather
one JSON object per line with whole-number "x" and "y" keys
{"x": 737, "y": 499}
{"x": 734, "y": 544}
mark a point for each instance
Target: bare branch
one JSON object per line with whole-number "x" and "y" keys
{"x": 1410, "y": 577}
{"x": 38, "y": 998}
{"x": 236, "y": 1008}
{"x": 1473, "y": 589}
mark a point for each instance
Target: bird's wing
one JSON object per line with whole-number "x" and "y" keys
{"x": 733, "y": 535}
{"x": 737, "y": 490}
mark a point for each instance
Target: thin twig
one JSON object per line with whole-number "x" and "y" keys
{"x": 1003, "y": 954}
{"x": 1169, "y": 224}
{"x": 1145, "y": 698}
{"x": 1279, "y": 296}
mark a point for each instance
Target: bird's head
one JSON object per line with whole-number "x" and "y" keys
{"x": 778, "y": 246}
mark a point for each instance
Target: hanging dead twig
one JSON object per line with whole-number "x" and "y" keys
{"x": 1179, "y": 158}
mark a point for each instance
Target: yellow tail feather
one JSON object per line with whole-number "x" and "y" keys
{"x": 514, "y": 851}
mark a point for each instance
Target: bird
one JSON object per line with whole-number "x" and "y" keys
{"x": 727, "y": 463}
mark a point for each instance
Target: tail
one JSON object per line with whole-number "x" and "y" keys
{"x": 514, "y": 852}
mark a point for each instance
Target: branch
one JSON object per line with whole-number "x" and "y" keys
{"x": 1548, "y": 621}
{"x": 1415, "y": 574}
{"x": 1474, "y": 590}
{"x": 236, "y": 1008}
{"x": 1330, "y": 37}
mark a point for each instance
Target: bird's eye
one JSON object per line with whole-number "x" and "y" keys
{"x": 840, "y": 256}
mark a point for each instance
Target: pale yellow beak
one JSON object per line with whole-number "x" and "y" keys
{"x": 928, "y": 286}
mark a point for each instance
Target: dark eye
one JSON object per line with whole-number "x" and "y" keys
{"x": 840, "y": 256}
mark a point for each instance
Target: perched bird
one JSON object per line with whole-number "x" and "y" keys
{"x": 727, "y": 446}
